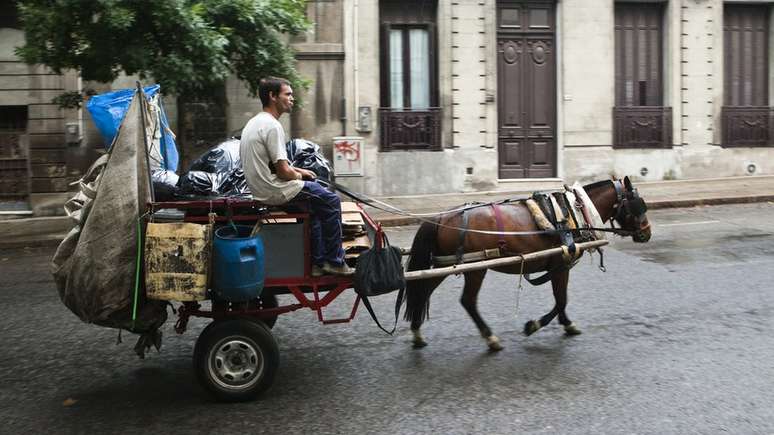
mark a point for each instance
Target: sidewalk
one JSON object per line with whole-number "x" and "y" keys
{"x": 49, "y": 231}
{"x": 657, "y": 194}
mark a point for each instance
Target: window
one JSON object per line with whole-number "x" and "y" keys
{"x": 747, "y": 118}
{"x": 409, "y": 116}
{"x": 409, "y": 62}
{"x": 9, "y": 16}
{"x": 13, "y": 118}
{"x": 640, "y": 120}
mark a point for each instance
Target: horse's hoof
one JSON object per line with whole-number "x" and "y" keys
{"x": 419, "y": 344}
{"x": 494, "y": 343}
{"x": 571, "y": 330}
{"x": 531, "y": 327}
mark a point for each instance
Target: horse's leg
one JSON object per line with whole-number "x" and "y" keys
{"x": 469, "y": 301}
{"x": 560, "y": 295}
{"x": 422, "y": 291}
{"x": 559, "y": 285}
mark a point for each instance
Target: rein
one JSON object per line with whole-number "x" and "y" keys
{"x": 379, "y": 205}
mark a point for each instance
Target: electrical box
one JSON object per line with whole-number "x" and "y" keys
{"x": 364, "y": 119}
{"x": 348, "y": 155}
{"x": 73, "y": 133}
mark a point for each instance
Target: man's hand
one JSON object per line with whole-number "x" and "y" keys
{"x": 306, "y": 174}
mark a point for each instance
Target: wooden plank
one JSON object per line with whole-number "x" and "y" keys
{"x": 349, "y": 206}
{"x": 361, "y": 242}
{"x": 349, "y": 218}
{"x": 177, "y": 258}
{"x": 498, "y": 262}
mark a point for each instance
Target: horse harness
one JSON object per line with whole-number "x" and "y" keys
{"x": 560, "y": 213}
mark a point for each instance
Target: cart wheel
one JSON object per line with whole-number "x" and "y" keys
{"x": 236, "y": 359}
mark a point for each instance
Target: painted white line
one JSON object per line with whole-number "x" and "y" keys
{"x": 688, "y": 223}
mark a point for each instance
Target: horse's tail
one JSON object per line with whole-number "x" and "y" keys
{"x": 418, "y": 291}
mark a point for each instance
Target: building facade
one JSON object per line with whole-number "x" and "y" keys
{"x": 436, "y": 96}
{"x": 35, "y": 151}
{"x": 489, "y": 94}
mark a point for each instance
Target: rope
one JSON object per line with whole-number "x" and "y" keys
{"x": 520, "y": 286}
{"x": 138, "y": 262}
{"x": 137, "y": 271}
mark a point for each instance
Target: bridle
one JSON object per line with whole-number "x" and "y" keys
{"x": 628, "y": 204}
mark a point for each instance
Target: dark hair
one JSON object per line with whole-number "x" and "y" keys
{"x": 270, "y": 84}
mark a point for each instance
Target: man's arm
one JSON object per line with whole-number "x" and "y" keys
{"x": 288, "y": 173}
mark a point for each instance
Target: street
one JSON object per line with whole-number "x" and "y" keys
{"x": 676, "y": 339}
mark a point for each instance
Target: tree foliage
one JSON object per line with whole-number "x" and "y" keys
{"x": 188, "y": 46}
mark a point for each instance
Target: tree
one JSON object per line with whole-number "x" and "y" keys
{"x": 188, "y": 46}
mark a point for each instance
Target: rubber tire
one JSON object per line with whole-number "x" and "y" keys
{"x": 259, "y": 338}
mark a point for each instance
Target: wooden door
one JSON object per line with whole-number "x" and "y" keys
{"x": 526, "y": 89}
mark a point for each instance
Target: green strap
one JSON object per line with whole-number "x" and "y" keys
{"x": 137, "y": 272}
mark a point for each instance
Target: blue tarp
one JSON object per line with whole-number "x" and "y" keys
{"x": 108, "y": 110}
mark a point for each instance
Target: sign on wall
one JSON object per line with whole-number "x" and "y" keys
{"x": 348, "y": 156}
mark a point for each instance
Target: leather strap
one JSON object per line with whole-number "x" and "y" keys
{"x": 463, "y": 233}
{"x": 500, "y": 228}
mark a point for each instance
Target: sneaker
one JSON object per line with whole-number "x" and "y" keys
{"x": 341, "y": 269}
{"x": 317, "y": 271}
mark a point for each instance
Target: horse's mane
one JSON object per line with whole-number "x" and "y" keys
{"x": 596, "y": 185}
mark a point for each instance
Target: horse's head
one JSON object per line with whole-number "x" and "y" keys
{"x": 630, "y": 211}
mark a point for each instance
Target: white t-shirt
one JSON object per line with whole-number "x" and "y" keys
{"x": 263, "y": 142}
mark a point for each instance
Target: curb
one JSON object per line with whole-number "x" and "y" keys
{"x": 42, "y": 241}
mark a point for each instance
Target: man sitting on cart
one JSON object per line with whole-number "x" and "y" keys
{"x": 273, "y": 181}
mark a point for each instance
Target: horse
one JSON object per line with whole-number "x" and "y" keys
{"x": 615, "y": 200}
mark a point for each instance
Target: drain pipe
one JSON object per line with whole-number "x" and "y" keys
{"x": 355, "y": 60}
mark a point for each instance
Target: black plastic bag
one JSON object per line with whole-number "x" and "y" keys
{"x": 200, "y": 183}
{"x": 234, "y": 184}
{"x": 305, "y": 154}
{"x": 220, "y": 159}
{"x": 165, "y": 185}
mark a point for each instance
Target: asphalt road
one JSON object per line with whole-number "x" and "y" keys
{"x": 677, "y": 339}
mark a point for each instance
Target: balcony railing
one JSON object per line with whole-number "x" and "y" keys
{"x": 748, "y": 126}
{"x": 642, "y": 127}
{"x": 406, "y": 129}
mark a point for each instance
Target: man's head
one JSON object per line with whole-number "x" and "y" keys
{"x": 276, "y": 95}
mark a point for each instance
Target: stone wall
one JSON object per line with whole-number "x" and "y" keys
{"x": 52, "y": 163}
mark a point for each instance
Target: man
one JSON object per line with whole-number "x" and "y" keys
{"x": 272, "y": 180}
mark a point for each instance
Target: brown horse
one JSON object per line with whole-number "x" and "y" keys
{"x": 614, "y": 200}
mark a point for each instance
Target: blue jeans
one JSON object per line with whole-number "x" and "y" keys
{"x": 325, "y": 210}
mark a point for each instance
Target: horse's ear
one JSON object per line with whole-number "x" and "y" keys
{"x": 628, "y": 183}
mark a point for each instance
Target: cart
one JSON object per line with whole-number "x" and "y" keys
{"x": 236, "y": 357}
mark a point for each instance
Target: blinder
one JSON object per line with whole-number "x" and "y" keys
{"x": 630, "y": 204}
{"x": 637, "y": 206}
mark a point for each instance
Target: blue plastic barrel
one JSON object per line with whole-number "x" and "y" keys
{"x": 238, "y": 266}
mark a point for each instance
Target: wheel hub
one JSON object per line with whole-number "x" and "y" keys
{"x": 236, "y": 363}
